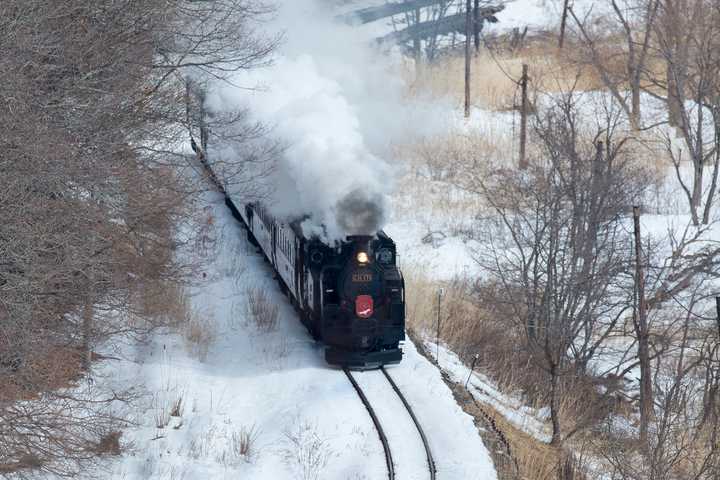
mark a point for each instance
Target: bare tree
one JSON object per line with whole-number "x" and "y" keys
{"x": 633, "y": 21}
{"x": 93, "y": 191}
{"x": 683, "y": 440}
{"x": 556, "y": 242}
{"x": 687, "y": 42}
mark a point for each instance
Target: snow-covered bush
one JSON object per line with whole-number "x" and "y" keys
{"x": 304, "y": 450}
{"x": 261, "y": 312}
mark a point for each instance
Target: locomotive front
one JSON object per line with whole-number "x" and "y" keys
{"x": 364, "y": 322}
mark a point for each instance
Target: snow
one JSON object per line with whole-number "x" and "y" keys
{"x": 537, "y": 14}
{"x": 278, "y": 386}
{"x": 447, "y": 258}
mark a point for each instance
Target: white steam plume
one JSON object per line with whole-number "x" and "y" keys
{"x": 335, "y": 105}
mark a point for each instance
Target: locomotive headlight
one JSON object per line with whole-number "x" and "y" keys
{"x": 362, "y": 257}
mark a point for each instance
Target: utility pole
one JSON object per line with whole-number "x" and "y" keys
{"x": 417, "y": 45}
{"x": 476, "y": 25}
{"x": 563, "y": 23}
{"x": 717, "y": 309}
{"x": 523, "y": 116}
{"x": 641, "y": 331}
{"x": 468, "y": 36}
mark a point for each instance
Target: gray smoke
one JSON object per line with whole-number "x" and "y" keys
{"x": 361, "y": 212}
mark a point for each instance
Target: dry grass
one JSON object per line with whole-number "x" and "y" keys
{"x": 200, "y": 333}
{"x": 261, "y": 312}
{"x": 242, "y": 445}
{"x": 50, "y": 369}
{"x": 160, "y": 303}
{"x": 177, "y": 407}
{"x": 171, "y": 307}
{"x": 466, "y": 327}
{"x": 495, "y": 77}
{"x": 109, "y": 444}
{"x": 535, "y": 460}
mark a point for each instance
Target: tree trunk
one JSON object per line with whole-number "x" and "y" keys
{"x": 468, "y": 36}
{"x": 563, "y": 24}
{"x": 641, "y": 331}
{"x": 554, "y": 405}
{"x": 674, "y": 106}
{"x": 716, "y": 168}
{"x": 698, "y": 172}
{"x": 635, "y": 114}
{"x": 87, "y": 334}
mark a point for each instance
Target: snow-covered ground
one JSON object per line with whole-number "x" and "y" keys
{"x": 304, "y": 416}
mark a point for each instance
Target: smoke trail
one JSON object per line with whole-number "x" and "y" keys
{"x": 334, "y": 104}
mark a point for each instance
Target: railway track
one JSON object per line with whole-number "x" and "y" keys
{"x": 404, "y": 467}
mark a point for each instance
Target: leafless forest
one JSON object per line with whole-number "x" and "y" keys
{"x": 92, "y": 195}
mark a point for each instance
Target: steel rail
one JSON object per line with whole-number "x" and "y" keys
{"x": 376, "y": 421}
{"x": 428, "y": 452}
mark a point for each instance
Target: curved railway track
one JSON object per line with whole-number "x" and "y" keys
{"x": 381, "y": 432}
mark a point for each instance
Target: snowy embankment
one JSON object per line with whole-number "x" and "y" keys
{"x": 302, "y": 415}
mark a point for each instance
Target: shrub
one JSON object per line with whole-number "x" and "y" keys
{"x": 261, "y": 311}
{"x": 305, "y": 451}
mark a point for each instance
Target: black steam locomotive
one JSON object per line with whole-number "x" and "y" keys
{"x": 350, "y": 296}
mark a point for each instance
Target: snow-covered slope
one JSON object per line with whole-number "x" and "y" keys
{"x": 304, "y": 415}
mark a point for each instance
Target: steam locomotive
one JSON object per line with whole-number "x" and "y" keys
{"x": 350, "y": 295}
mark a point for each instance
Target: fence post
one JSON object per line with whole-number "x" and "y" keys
{"x": 437, "y": 339}
{"x": 472, "y": 368}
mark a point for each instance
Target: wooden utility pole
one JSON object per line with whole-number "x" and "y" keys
{"x": 563, "y": 23}
{"x": 717, "y": 309}
{"x": 476, "y": 25}
{"x": 641, "y": 332}
{"x": 468, "y": 36}
{"x": 523, "y": 116}
{"x": 417, "y": 45}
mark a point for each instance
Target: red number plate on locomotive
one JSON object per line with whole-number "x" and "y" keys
{"x": 364, "y": 306}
